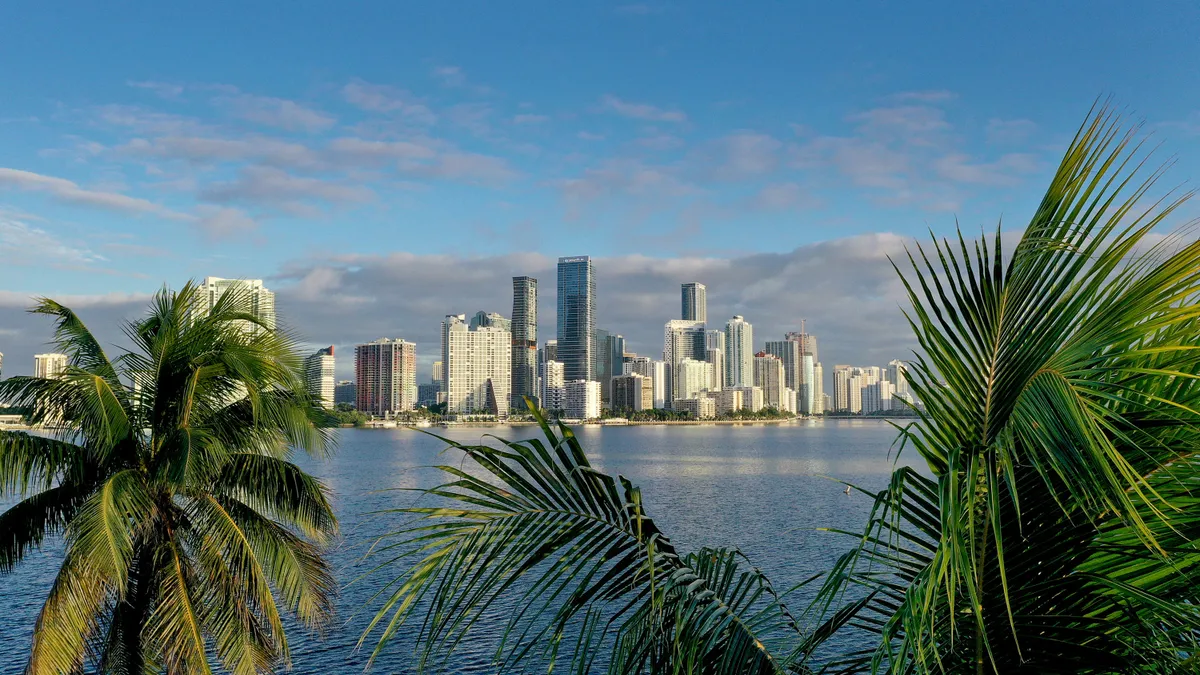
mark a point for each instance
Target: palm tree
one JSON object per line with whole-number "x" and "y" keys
{"x": 167, "y": 475}
{"x": 1057, "y": 529}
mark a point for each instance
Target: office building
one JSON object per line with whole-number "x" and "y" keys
{"x": 691, "y": 378}
{"x": 49, "y": 366}
{"x": 695, "y": 302}
{"x": 345, "y": 392}
{"x": 319, "y": 376}
{"x": 681, "y": 340}
{"x": 553, "y": 387}
{"x": 632, "y": 392}
{"x": 577, "y": 317}
{"x": 739, "y": 353}
{"x": 613, "y": 352}
{"x": 253, "y": 296}
{"x": 524, "y": 341}
{"x": 477, "y": 358}
{"x": 385, "y": 374}
{"x": 550, "y": 351}
{"x": 702, "y": 408}
{"x": 582, "y": 400}
{"x": 427, "y": 395}
{"x": 769, "y": 376}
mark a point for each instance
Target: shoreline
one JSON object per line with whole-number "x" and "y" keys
{"x": 645, "y": 423}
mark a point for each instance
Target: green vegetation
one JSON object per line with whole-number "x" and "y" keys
{"x": 186, "y": 527}
{"x": 346, "y": 415}
{"x": 1058, "y": 530}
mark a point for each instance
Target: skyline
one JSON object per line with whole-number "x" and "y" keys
{"x": 376, "y": 184}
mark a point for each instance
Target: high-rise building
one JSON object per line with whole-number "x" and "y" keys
{"x": 319, "y": 376}
{"x": 739, "y": 353}
{"x": 385, "y": 374}
{"x": 524, "y": 341}
{"x": 551, "y": 350}
{"x": 553, "y": 390}
{"x": 491, "y": 320}
{"x": 877, "y": 397}
{"x": 681, "y": 340}
{"x": 769, "y": 376}
{"x": 1, "y": 365}
{"x": 632, "y": 392}
{"x": 258, "y": 300}
{"x": 478, "y": 363}
{"x": 427, "y": 394}
{"x": 691, "y": 378}
{"x": 819, "y": 399}
{"x": 714, "y": 353}
{"x": 841, "y": 387}
{"x": 897, "y": 374}
{"x": 612, "y": 352}
{"x": 582, "y": 400}
{"x": 808, "y": 341}
{"x": 577, "y": 317}
{"x": 49, "y": 366}
{"x": 438, "y": 375}
{"x": 345, "y": 391}
{"x": 695, "y": 302}
{"x": 788, "y": 352}
{"x": 656, "y": 371}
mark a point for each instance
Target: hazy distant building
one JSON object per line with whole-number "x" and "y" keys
{"x": 553, "y": 386}
{"x": 819, "y": 400}
{"x": 1, "y": 365}
{"x": 576, "y": 317}
{"x": 657, "y": 372}
{"x": 739, "y": 353}
{"x": 841, "y": 387}
{"x": 695, "y": 302}
{"x": 807, "y": 342}
{"x": 550, "y": 351}
{"x": 258, "y": 300}
{"x": 427, "y": 394}
{"x": 897, "y": 374}
{"x": 610, "y": 350}
{"x": 632, "y": 392}
{"x": 482, "y": 319}
{"x": 49, "y": 366}
{"x": 524, "y": 341}
{"x": 582, "y": 401}
{"x": 752, "y": 398}
{"x": 788, "y": 353}
{"x": 702, "y": 408}
{"x": 385, "y": 374}
{"x": 714, "y": 353}
{"x": 769, "y": 376}
{"x": 345, "y": 391}
{"x": 478, "y": 366}
{"x": 691, "y": 378}
{"x": 319, "y": 374}
{"x": 877, "y": 397}
{"x": 438, "y": 375}
{"x": 681, "y": 340}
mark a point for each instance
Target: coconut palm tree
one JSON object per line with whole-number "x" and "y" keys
{"x": 1055, "y": 530}
{"x": 165, "y": 471}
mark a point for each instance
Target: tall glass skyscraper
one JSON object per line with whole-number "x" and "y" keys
{"x": 577, "y": 317}
{"x": 695, "y": 302}
{"x": 524, "y": 341}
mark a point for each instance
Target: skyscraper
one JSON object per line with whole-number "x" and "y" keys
{"x": 524, "y": 341}
{"x": 576, "y": 317}
{"x": 897, "y": 374}
{"x": 553, "y": 387}
{"x": 259, "y": 301}
{"x": 691, "y": 377}
{"x": 49, "y": 366}
{"x": 491, "y": 320}
{"x": 714, "y": 353}
{"x": 739, "y": 353}
{"x": 385, "y": 374}
{"x": 769, "y": 376}
{"x": 788, "y": 352}
{"x": 600, "y": 360}
{"x": 478, "y": 365}
{"x": 612, "y": 354}
{"x": 695, "y": 302}
{"x": 681, "y": 340}
{"x": 345, "y": 391}
{"x": 319, "y": 376}
{"x": 438, "y": 375}
{"x": 820, "y": 400}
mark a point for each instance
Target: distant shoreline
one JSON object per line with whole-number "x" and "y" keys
{"x": 647, "y": 423}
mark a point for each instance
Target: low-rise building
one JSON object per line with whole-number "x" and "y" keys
{"x": 703, "y": 408}
{"x": 582, "y": 400}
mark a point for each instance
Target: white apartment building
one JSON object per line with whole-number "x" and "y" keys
{"x": 692, "y": 377}
{"x": 49, "y": 366}
{"x": 739, "y": 353}
{"x": 752, "y": 398}
{"x": 553, "y": 386}
{"x": 319, "y": 376}
{"x": 769, "y": 376}
{"x": 702, "y": 408}
{"x": 632, "y": 392}
{"x": 260, "y": 301}
{"x": 477, "y": 362}
{"x": 582, "y": 400}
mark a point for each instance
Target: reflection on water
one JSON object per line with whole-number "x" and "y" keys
{"x": 759, "y": 488}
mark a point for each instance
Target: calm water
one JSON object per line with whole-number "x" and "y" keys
{"x": 756, "y": 488}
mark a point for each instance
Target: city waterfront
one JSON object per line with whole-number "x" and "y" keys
{"x": 762, "y": 489}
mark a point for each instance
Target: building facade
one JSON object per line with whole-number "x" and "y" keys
{"x": 582, "y": 400}
{"x": 345, "y": 391}
{"x": 49, "y": 366}
{"x": 739, "y": 353}
{"x": 319, "y": 376}
{"x": 524, "y": 341}
{"x": 577, "y": 317}
{"x": 681, "y": 340}
{"x": 256, "y": 298}
{"x": 769, "y": 376}
{"x": 694, "y": 302}
{"x": 632, "y": 392}
{"x": 692, "y": 377}
{"x": 702, "y": 408}
{"x": 553, "y": 386}
{"x": 752, "y": 398}
{"x": 385, "y": 374}
{"x": 478, "y": 366}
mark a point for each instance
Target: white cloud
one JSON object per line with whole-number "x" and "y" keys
{"x": 21, "y": 243}
{"x": 276, "y": 112}
{"x": 271, "y": 187}
{"x": 1009, "y": 131}
{"x": 387, "y": 99}
{"x": 925, "y": 96}
{"x": 70, "y": 192}
{"x": 527, "y": 118}
{"x": 165, "y": 90}
{"x": 641, "y": 111}
{"x": 589, "y": 136}
{"x": 1004, "y": 171}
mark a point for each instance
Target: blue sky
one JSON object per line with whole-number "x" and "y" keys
{"x": 366, "y": 151}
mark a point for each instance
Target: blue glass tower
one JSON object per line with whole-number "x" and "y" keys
{"x": 577, "y": 318}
